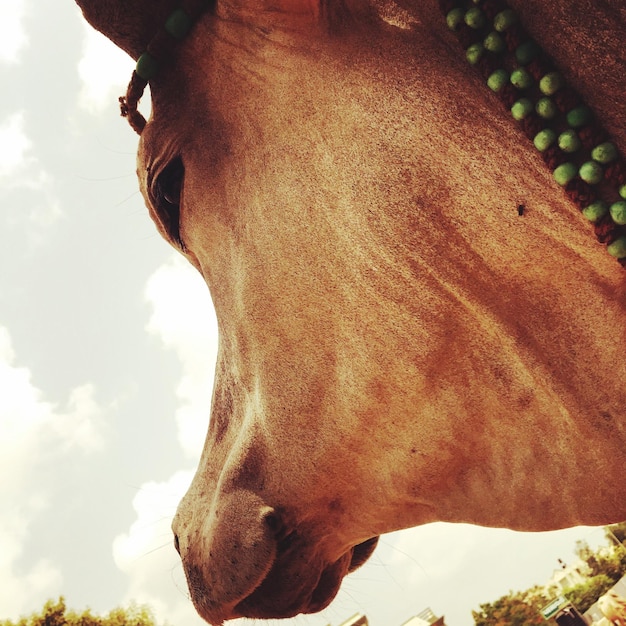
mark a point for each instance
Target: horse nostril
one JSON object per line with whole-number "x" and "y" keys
{"x": 273, "y": 522}
{"x": 176, "y": 544}
{"x": 276, "y": 525}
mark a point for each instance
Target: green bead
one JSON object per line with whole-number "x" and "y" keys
{"x": 546, "y": 108}
{"x": 579, "y": 116}
{"x": 526, "y": 52}
{"x": 569, "y": 141}
{"x": 591, "y": 172}
{"x": 498, "y": 80}
{"x": 147, "y": 66}
{"x": 595, "y": 211}
{"x": 504, "y": 20}
{"x": 551, "y": 83}
{"x": 618, "y": 248}
{"x": 622, "y": 191}
{"x": 455, "y": 18}
{"x": 521, "y": 79}
{"x": 618, "y": 212}
{"x": 474, "y": 53}
{"x": 544, "y": 139}
{"x": 474, "y": 18}
{"x": 494, "y": 42}
{"x": 521, "y": 109}
{"x": 565, "y": 173}
{"x": 178, "y": 24}
{"x": 604, "y": 153}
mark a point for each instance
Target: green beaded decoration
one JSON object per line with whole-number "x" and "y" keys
{"x": 579, "y": 116}
{"x": 147, "y": 66}
{"x": 618, "y": 248}
{"x": 569, "y": 141}
{"x": 178, "y": 24}
{"x": 494, "y": 42}
{"x": 591, "y": 172}
{"x": 455, "y": 18}
{"x": 521, "y": 79}
{"x": 504, "y": 20}
{"x": 474, "y": 18}
{"x": 544, "y": 139}
{"x": 551, "y": 83}
{"x": 521, "y": 109}
{"x": 526, "y": 52}
{"x": 604, "y": 153}
{"x": 595, "y": 210}
{"x": 546, "y": 108}
{"x": 618, "y": 212}
{"x": 474, "y": 53}
{"x": 565, "y": 173}
{"x": 498, "y": 80}
{"x": 587, "y": 166}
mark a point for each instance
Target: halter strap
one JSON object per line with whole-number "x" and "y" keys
{"x": 158, "y": 53}
{"x": 572, "y": 142}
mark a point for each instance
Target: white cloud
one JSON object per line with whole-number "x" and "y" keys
{"x": 146, "y": 553}
{"x": 19, "y": 169}
{"x": 12, "y": 32}
{"x": 184, "y": 319}
{"x": 14, "y": 144}
{"x": 28, "y": 423}
{"x": 104, "y": 70}
{"x": 34, "y": 434}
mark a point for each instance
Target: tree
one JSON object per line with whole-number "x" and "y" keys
{"x": 582, "y": 596}
{"x": 611, "y": 563}
{"x": 603, "y": 569}
{"x": 55, "y": 613}
{"x": 521, "y": 608}
{"x": 616, "y": 530}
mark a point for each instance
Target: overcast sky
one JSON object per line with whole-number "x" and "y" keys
{"x": 107, "y": 344}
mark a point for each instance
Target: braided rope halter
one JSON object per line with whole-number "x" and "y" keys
{"x": 158, "y": 53}
{"x": 571, "y": 141}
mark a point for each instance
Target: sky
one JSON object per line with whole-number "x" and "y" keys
{"x": 107, "y": 347}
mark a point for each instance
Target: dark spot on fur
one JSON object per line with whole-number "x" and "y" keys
{"x": 335, "y": 505}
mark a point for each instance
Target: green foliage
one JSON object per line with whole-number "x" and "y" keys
{"x": 611, "y": 563}
{"x": 522, "y": 608}
{"x": 582, "y": 596}
{"x": 55, "y": 613}
{"x": 617, "y": 531}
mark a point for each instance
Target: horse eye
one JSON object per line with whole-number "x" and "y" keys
{"x": 166, "y": 192}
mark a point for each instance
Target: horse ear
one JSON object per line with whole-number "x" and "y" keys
{"x": 130, "y": 24}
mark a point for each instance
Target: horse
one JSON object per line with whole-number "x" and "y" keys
{"x": 394, "y": 209}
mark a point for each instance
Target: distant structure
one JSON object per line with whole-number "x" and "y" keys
{"x": 566, "y": 576}
{"x": 425, "y": 618}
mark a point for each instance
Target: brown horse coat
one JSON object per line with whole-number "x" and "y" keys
{"x": 397, "y": 343}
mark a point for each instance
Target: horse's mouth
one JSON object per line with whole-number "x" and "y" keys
{"x": 273, "y": 599}
{"x": 362, "y": 552}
